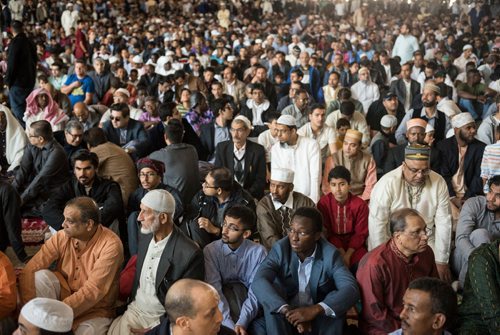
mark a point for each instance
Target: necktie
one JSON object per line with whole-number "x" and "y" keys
{"x": 238, "y": 170}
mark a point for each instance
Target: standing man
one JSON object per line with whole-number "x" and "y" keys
{"x": 406, "y": 44}
{"x": 405, "y": 88}
{"x": 414, "y": 185}
{"x": 21, "y": 70}
{"x": 287, "y": 282}
{"x": 88, "y": 259}
{"x": 230, "y": 266}
{"x": 300, "y": 154}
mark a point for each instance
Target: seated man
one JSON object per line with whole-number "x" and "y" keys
{"x": 217, "y": 131}
{"x": 192, "y": 308}
{"x": 474, "y": 95}
{"x": 299, "y": 108}
{"x": 8, "y": 293}
{"x": 219, "y": 192}
{"x": 429, "y": 308}
{"x": 479, "y": 313}
{"x": 345, "y": 217}
{"x": 414, "y": 185}
{"x": 72, "y": 140}
{"x": 383, "y": 141}
{"x": 275, "y": 210}
{"x": 257, "y": 109}
{"x": 230, "y": 266}
{"x": 385, "y": 272}
{"x": 43, "y": 169}
{"x": 45, "y": 316}
{"x": 415, "y": 134}
{"x": 287, "y": 283}
{"x": 88, "y": 259}
{"x": 114, "y": 162}
{"x": 356, "y": 119}
{"x": 461, "y": 157}
{"x": 361, "y": 164}
{"x": 10, "y": 220}
{"x": 244, "y": 158}
{"x": 478, "y": 224}
{"x": 123, "y": 130}
{"x": 87, "y": 117}
{"x": 165, "y": 255}
{"x": 150, "y": 175}
{"x": 85, "y": 182}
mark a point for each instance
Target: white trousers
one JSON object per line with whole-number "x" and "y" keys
{"x": 47, "y": 286}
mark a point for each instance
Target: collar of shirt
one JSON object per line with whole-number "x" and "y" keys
{"x": 160, "y": 244}
{"x": 309, "y": 258}
{"x": 289, "y": 202}
{"x": 226, "y": 251}
{"x": 423, "y": 113}
{"x": 239, "y": 153}
{"x": 400, "y": 255}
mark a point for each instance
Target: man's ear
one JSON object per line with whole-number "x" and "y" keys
{"x": 182, "y": 322}
{"x": 439, "y": 321}
{"x": 247, "y": 233}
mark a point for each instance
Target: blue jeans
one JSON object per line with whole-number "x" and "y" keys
{"x": 17, "y": 100}
{"x": 475, "y": 108}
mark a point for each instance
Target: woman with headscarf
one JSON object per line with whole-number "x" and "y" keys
{"x": 41, "y": 106}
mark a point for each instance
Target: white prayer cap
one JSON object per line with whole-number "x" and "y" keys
{"x": 159, "y": 200}
{"x": 48, "y": 314}
{"x": 245, "y": 120}
{"x": 466, "y": 47}
{"x": 429, "y": 128}
{"x": 150, "y": 62}
{"x": 287, "y": 120}
{"x": 461, "y": 119}
{"x": 123, "y": 91}
{"x": 282, "y": 175}
{"x": 389, "y": 121}
{"x": 363, "y": 42}
{"x": 137, "y": 59}
{"x": 113, "y": 59}
{"x": 258, "y": 41}
{"x": 231, "y": 58}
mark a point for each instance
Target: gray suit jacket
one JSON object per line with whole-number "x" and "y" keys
{"x": 181, "y": 258}
{"x": 398, "y": 88}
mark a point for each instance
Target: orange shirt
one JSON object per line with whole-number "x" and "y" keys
{"x": 8, "y": 293}
{"x": 88, "y": 277}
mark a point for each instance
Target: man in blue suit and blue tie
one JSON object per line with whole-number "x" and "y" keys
{"x": 303, "y": 284}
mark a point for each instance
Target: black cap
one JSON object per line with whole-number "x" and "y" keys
{"x": 389, "y": 95}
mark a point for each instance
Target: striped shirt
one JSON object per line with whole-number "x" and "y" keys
{"x": 490, "y": 166}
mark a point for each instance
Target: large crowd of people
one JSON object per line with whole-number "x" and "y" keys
{"x": 251, "y": 167}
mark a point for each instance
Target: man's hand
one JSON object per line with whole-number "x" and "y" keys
{"x": 457, "y": 202}
{"x": 304, "y": 327}
{"x": 347, "y": 257}
{"x": 206, "y": 224}
{"x": 444, "y": 272}
{"x": 239, "y": 330}
{"x": 303, "y": 314}
{"x": 137, "y": 331}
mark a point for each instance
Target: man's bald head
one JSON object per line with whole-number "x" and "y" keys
{"x": 182, "y": 297}
{"x": 81, "y": 112}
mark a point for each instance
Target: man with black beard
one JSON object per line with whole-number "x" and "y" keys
{"x": 429, "y": 113}
{"x": 461, "y": 157}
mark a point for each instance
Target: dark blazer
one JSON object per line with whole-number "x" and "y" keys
{"x": 396, "y": 156}
{"x": 135, "y": 131}
{"x": 207, "y": 137}
{"x": 181, "y": 258}
{"x": 254, "y": 179}
{"x": 376, "y": 112}
{"x": 472, "y": 165}
{"x": 276, "y": 281}
{"x": 21, "y": 62}
{"x": 398, "y": 87}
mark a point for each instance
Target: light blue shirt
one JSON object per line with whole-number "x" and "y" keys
{"x": 223, "y": 265}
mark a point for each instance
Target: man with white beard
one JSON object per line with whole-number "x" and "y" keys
{"x": 164, "y": 256}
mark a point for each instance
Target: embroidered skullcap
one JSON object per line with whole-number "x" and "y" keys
{"x": 152, "y": 164}
{"x": 416, "y": 122}
{"x": 245, "y": 121}
{"x": 282, "y": 175}
{"x": 354, "y": 135}
{"x": 287, "y": 120}
{"x": 432, "y": 87}
{"x": 461, "y": 119}
{"x": 389, "y": 121}
{"x": 159, "y": 200}
{"x": 417, "y": 152}
{"x": 48, "y": 314}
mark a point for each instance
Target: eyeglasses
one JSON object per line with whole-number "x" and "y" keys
{"x": 75, "y": 135}
{"x": 230, "y": 227}
{"x": 291, "y": 231}
{"x": 419, "y": 234}
{"x": 424, "y": 172}
{"x": 115, "y": 118}
{"x": 147, "y": 174}
{"x": 238, "y": 130}
{"x": 205, "y": 185}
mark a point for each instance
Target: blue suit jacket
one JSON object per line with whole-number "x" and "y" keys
{"x": 314, "y": 80}
{"x": 135, "y": 131}
{"x": 276, "y": 281}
